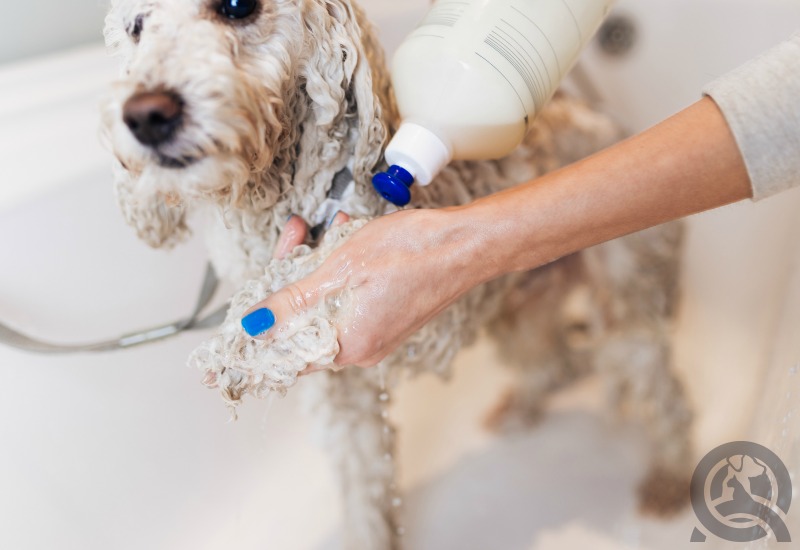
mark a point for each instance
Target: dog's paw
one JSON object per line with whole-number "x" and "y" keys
{"x": 237, "y": 364}
{"x": 663, "y": 493}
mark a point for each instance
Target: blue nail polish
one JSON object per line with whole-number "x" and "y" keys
{"x": 330, "y": 221}
{"x": 290, "y": 217}
{"x": 258, "y": 322}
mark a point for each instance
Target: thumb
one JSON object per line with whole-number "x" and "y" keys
{"x": 293, "y": 299}
{"x": 280, "y": 308}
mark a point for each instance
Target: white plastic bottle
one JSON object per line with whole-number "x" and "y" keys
{"x": 472, "y": 77}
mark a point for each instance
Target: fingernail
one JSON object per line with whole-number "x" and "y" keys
{"x": 330, "y": 221}
{"x": 258, "y": 322}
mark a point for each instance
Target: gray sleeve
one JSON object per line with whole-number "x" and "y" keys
{"x": 761, "y": 103}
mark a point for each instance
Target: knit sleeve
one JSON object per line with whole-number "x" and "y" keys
{"x": 761, "y": 103}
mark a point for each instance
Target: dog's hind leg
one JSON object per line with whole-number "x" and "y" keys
{"x": 351, "y": 410}
{"x": 543, "y": 333}
{"x": 639, "y": 274}
{"x": 639, "y": 362}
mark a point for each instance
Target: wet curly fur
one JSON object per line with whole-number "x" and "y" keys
{"x": 274, "y": 107}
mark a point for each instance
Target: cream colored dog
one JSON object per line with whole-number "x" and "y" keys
{"x": 244, "y": 111}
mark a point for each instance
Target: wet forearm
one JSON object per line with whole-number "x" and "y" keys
{"x": 686, "y": 164}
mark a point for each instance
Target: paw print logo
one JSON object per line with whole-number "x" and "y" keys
{"x": 741, "y": 492}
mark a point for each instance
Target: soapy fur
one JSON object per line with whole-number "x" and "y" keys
{"x": 238, "y": 364}
{"x": 274, "y": 108}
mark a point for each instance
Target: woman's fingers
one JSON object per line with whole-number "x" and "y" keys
{"x": 293, "y": 299}
{"x": 280, "y": 308}
{"x": 339, "y": 218}
{"x": 295, "y": 231}
{"x": 293, "y": 235}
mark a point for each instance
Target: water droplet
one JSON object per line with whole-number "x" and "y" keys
{"x": 384, "y": 397}
{"x": 397, "y": 501}
{"x": 382, "y": 376}
{"x": 385, "y": 415}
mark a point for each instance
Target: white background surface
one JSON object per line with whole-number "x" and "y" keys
{"x": 128, "y": 451}
{"x": 40, "y": 26}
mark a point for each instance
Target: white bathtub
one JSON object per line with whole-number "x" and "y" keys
{"x": 128, "y": 451}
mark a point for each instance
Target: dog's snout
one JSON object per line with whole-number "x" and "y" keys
{"x": 153, "y": 117}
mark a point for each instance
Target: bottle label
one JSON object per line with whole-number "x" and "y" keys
{"x": 445, "y": 13}
{"x": 530, "y": 43}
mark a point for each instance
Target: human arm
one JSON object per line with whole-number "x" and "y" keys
{"x": 407, "y": 267}
{"x": 403, "y": 269}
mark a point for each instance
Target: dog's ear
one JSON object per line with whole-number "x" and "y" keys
{"x": 340, "y": 81}
{"x": 118, "y": 26}
{"x": 157, "y": 222}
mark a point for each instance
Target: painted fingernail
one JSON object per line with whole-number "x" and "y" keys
{"x": 330, "y": 221}
{"x": 290, "y": 217}
{"x": 258, "y": 322}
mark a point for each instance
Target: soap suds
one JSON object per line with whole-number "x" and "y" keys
{"x": 238, "y": 364}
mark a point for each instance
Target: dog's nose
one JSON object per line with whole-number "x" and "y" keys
{"x": 153, "y": 117}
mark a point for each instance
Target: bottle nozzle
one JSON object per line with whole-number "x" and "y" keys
{"x": 394, "y": 185}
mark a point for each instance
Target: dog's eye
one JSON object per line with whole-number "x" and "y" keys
{"x": 237, "y": 9}
{"x": 135, "y": 30}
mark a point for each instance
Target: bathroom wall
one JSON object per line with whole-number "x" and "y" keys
{"x": 40, "y": 26}
{"x": 37, "y": 27}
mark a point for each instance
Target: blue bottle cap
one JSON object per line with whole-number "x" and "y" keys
{"x": 393, "y": 185}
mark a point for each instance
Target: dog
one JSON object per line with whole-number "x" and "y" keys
{"x": 232, "y": 115}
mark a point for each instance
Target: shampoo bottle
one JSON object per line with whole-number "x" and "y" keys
{"x": 472, "y": 77}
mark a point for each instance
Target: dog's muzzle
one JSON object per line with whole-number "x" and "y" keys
{"x": 153, "y": 117}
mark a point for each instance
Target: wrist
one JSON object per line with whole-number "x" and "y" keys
{"x": 518, "y": 229}
{"x": 478, "y": 243}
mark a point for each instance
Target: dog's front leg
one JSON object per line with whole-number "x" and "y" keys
{"x": 352, "y": 410}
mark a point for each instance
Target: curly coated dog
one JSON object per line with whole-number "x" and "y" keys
{"x": 242, "y": 112}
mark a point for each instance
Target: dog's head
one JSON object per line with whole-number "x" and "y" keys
{"x": 218, "y": 100}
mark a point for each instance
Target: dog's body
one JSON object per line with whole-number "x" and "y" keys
{"x": 262, "y": 114}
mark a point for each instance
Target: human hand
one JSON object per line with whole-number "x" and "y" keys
{"x": 399, "y": 271}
